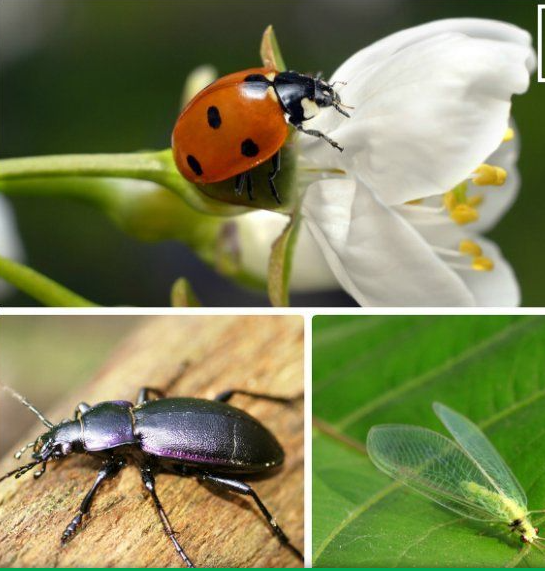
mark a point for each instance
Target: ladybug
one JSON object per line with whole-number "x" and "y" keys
{"x": 241, "y": 120}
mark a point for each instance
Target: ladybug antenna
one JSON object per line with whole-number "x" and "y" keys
{"x": 339, "y": 107}
{"x": 29, "y": 405}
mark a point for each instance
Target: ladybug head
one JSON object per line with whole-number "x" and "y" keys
{"x": 326, "y": 96}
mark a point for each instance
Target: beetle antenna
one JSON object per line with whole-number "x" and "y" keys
{"x": 30, "y": 406}
{"x": 340, "y": 110}
{"x": 18, "y": 472}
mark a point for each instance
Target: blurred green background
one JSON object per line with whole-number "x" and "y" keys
{"x": 106, "y": 76}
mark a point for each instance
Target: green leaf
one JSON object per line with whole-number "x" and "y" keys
{"x": 389, "y": 369}
{"x": 280, "y": 263}
{"x": 182, "y": 294}
{"x": 40, "y": 287}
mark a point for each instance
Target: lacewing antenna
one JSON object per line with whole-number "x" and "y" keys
{"x": 30, "y": 406}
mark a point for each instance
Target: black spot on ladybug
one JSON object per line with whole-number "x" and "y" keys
{"x": 248, "y": 148}
{"x": 256, "y": 77}
{"x": 214, "y": 117}
{"x": 194, "y": 165}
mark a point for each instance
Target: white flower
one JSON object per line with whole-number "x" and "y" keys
{"x": 10, "y": 244}
{"x": 431, "y": 105}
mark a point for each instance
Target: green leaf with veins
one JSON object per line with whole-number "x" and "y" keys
{"x": 389, "y": 369}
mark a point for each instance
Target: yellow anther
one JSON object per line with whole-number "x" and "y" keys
{"x": 489, "y": 175}
{"x": 449, "y": 200}
{"x": 415, "y": 202}
{"x": 475, "y": 200}
{"x": 471, "y": 248}
{"x": 482, "y": 264}
{"x": 464, "y": 214}
{"x": 509, "y": 135}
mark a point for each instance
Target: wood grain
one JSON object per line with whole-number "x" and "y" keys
{"x": 260, "y": 353}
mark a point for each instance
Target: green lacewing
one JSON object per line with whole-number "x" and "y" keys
{"x": 467, "y": 476}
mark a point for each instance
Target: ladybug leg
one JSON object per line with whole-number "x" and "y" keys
{"x": 239, "y": 183}
{"x": 275, "y": 168}
{"x": 249, "y": 185}
{"x": 320, "y": 135}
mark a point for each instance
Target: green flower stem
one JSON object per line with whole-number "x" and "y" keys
{"x": 150, "y": 213}
{"x": 41, "y": 288}
{"x": 157, "y": 166}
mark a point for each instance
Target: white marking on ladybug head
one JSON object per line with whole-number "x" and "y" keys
{"x": 310, "y": 109}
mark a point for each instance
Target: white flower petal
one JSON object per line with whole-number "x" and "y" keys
{"x": 426, "y": 116}
{"x": 498, "y": 288}
{"x": 257, "y": 232}
{"x": 383, "y": 49}
{"x": 377, "y": 257}
{"x": 472, "y": 27}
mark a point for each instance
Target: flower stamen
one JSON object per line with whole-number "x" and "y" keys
{"x": 462, "y": 209}
{"x": 489, "y": 175}
{"x": 482, "y": 264}
{"x": 509, "y": 135}
{"x": 464, "y": 214}
{"x": 466, "y": 248}
{"x": 470, "y": 248}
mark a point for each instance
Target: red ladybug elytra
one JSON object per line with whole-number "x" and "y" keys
{"x": 241, "y": 120}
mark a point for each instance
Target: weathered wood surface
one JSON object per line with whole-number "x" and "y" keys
{"x": 262, "y": 353}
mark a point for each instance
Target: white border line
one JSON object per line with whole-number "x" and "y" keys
{"x": 307, "y": 312}
{"x": 540, "y": 8}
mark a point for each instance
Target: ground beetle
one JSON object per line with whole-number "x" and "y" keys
{"x": 208, "y": 439}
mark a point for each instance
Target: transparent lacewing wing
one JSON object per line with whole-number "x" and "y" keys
{"x": 467, "y": 476}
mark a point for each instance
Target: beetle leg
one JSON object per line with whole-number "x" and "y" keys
{"x": 149, "y": 481}
{"x": 275, "y": 168}
{"x": 227, "y": 395}
{"x": 320, "y": 135}
{"x": 110, "y": 468}
{"x": 239, "y": 487}
{"x": 239, "y": 183}
{"x": 145, "y": 392}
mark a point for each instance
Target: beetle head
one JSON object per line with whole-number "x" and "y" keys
{"x": 61, "y": 440}
{"x": 56, "y": 443}
{"x": 326, "y": 96}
